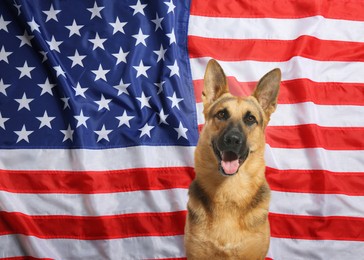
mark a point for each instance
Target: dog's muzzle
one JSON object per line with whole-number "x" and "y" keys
{"x": 231, "y": 150}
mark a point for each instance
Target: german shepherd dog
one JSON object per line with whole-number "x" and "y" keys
{"x": 229, "y": 198}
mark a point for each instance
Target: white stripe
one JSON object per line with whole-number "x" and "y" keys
{"x": 95, "y": 204}
{"x": 96, "y": 160}
{"x": 170, "y": 201}
{"x": 314, "y": 159}
{"x": 127, "y": 248}
{"x": 316, "y": 204}
{"x": 288, "y": 249}
{"x": 295, "y": 68}
{"x": 277, "y": 29}
{"x": 310, "y": 113}
{"x": 322, "y": 115}
{"x": 284, "y": 159}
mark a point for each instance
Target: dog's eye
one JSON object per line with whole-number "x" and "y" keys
{"x": 249, "y": 119}
{"x": 222, "y": 115}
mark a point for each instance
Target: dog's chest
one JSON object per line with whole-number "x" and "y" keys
{"x": 229, "y": 241}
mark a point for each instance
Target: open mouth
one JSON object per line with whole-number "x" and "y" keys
{"x": 229, "y": 161}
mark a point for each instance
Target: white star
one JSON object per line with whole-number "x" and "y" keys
{"x": 4, "y": 54}
{"x": 95, "y": 11}
{"x": 172, "y": 37}
{"x": 33, "y": 25}
{"x": 124, "y": 119}
{"x": 45, "y": 120}
{"x": 103, "y": 134}
{"x": 3, "y": 87}
{"x": 103, "y": 103}
{"x": 46, "y": 87}
{"x": 80, "y": 91}
{"x": 98, "y": 42}
{"x": 161, "y": 52}
{"x": 24, "y": 102}
{"x": 144, "y": 101}
{"x": 157, "y": 21}
{"x": 25, "y": 39}
{"x": 120, "y": 56}
{"x": 2, "y": 121}
{"x": 68, "y": 134}
{"x": 140, "y": 38}
{"x": 171, "y": 6}
{"x": 181, "y": 131}
{"x": 163, "y": 118}
{"x": 141, "y": 69}
{"x": 52, "y": 14}
{"x": 23, "y": 134}
{"x": 138, "y": 8}
{"x": 17, "y": 7}
{"x": 77, "y": 59}
{"x": 4, "y": 24}
{"x": 25, "y": 70}
{"x": 74, "y": 28}
{"x": 66, "y": 102}
{"x": 174, "y": 69}
{"x": 145, "y": 130}
{"x": 118, "y": 26}
{"x": 54, "y": 45}
{"x": 122, "y": 87}
{"x": 81, "y": 119}
{"x": 175, "y": 100}
{"x": 59, "y": 71}
{"x": 100, "y": 73}
{"x": 160, "y": 86}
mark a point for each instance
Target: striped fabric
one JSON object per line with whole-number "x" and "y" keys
{"x": 315, "y": 143}
{"x": 102, "y": 170}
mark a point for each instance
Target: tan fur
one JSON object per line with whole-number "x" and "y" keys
{"x": 228, "y": 215}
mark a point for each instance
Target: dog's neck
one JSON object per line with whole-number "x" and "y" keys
{"x": 242, "y": 187}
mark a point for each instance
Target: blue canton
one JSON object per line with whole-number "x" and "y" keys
{"x": 95, "y": 74}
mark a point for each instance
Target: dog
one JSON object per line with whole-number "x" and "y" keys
{"x": 228, "y": 204}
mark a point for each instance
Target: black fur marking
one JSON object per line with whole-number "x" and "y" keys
{"x": 261, "y": 194}
{"x": 199, "y": 194}
{"x": 192, "y": 216}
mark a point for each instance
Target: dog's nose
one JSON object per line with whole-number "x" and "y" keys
{"x": 233, "y": 138}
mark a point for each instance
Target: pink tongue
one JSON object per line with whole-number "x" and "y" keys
{"x": 230, "y": 167}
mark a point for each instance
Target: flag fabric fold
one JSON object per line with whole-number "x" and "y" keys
{"x": 100, "y": 107}
{"x": 97, "y": 129}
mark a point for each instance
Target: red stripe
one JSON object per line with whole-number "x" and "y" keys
{"x": 275, "y": 50}
{"x": 95, "y": 182}
{"x": 93, "y": 228}
{"x": 24, "y": 258}
{"x": 316, "y": 181}
{"x": 300, "y": 90}
{"x": 311, "y": 136}
{"x": 349, "y": 10}
{"x": 316, "y": 228}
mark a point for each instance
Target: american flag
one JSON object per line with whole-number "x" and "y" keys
{"x": 100, "y": 109}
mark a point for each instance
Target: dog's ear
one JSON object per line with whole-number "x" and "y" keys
{"x": 266, "y": 91}
{"x": 215, "y": 83}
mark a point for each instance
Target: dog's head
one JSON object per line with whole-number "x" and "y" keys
{"x": 234, "y": 126}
